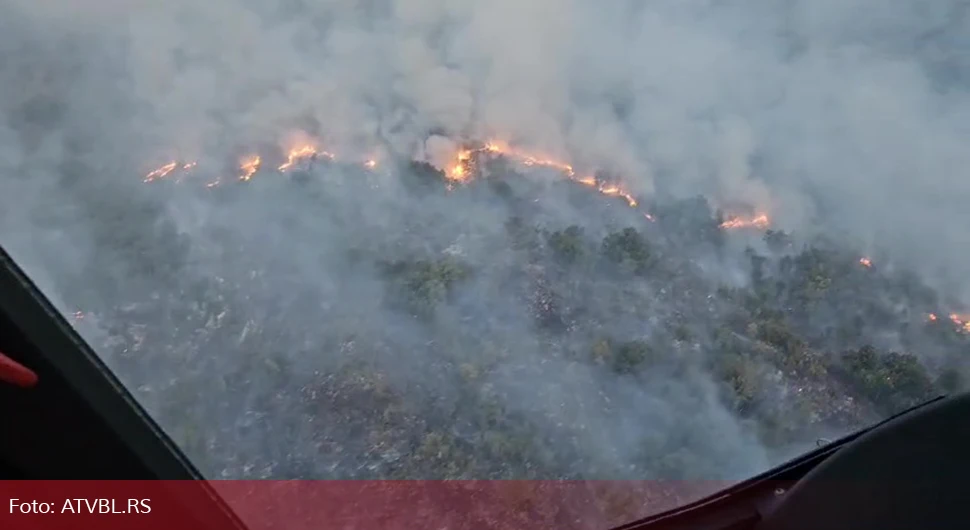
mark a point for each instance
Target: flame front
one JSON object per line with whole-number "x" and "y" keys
{"x": 961, "y": 321}
{"x": 161, "y": 172}
{"x": 249, "y": 167}
{"x": 758, "y": 221}
{"x": 305, "y": 152}
{"x": 168, "y": 169}
{"x": 463, "y": 168}
{"x": 614, "y": 191}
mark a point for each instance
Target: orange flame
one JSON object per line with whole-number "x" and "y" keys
{"x": 614, "y": 191}
{"x": 249, "y": 167}
{"x": 305, "y": 152}
{"x": 759, "y": 221}
{"x": 161, "y": 172}
{"x": 865, "y": 262}
{"x": 461, "y": 170}
{"x": 168, "y": 169}
{"x": 962, "y": 322}
{"x": 464, "y": 165}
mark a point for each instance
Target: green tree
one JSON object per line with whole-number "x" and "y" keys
{"x": 628, "y": 356}
{"x": 422, "y": 284}
{"x": 892, "y": 382}
{"x": 567, "y": 244}
{"x": 777, "y": 240}
{"x": 628, "y": 247}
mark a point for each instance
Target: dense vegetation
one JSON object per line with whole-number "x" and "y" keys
{"x": 477, "y": 333}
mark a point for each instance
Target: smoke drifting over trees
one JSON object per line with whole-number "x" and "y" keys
{"x": 366, "y": 315}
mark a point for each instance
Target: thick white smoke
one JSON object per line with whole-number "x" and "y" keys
{"x": 857, "y": 108}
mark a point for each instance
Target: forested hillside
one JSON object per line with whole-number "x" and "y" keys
{"x": 339, "y": 322}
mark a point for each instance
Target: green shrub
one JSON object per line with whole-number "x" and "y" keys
{"x": 892, "y": 382}
{"x": 567, "y": 244}
{"x": 628, "y": 356}
{"x": 627, "y": 247}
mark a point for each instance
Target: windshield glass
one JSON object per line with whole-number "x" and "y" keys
{"x": 673, "y": 240}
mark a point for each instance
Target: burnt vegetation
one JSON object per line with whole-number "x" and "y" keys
{"x": 443, "y": 345}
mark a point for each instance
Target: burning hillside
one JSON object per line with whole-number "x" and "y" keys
{"x": 577, "y": 296}
{"x": 465, "y": 166}
{"x": 502, "y": 240}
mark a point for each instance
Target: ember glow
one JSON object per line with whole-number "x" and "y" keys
{"x": 865, "y": 262}
{"x": 759, "y": 221}
{"x": 249, "y": 167}
{"x": 962, "y": 321}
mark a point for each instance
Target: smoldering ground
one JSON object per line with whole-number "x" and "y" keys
{"x": 340, "y": 321}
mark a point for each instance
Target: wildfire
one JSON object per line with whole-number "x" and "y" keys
{"x": 759, "y": 221}
{"x": 305, "y": 152}
{"x": 249, "y": 167}
{"x": 614, "y": 191}
{"x": 961, "y": 321}
{"x": 865, "y": 262}
{"x": 529, "y": 160}
{"x": 161, "y": 172}
{"x": 463, "y": 168}
{"x": 167, "y": 169}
